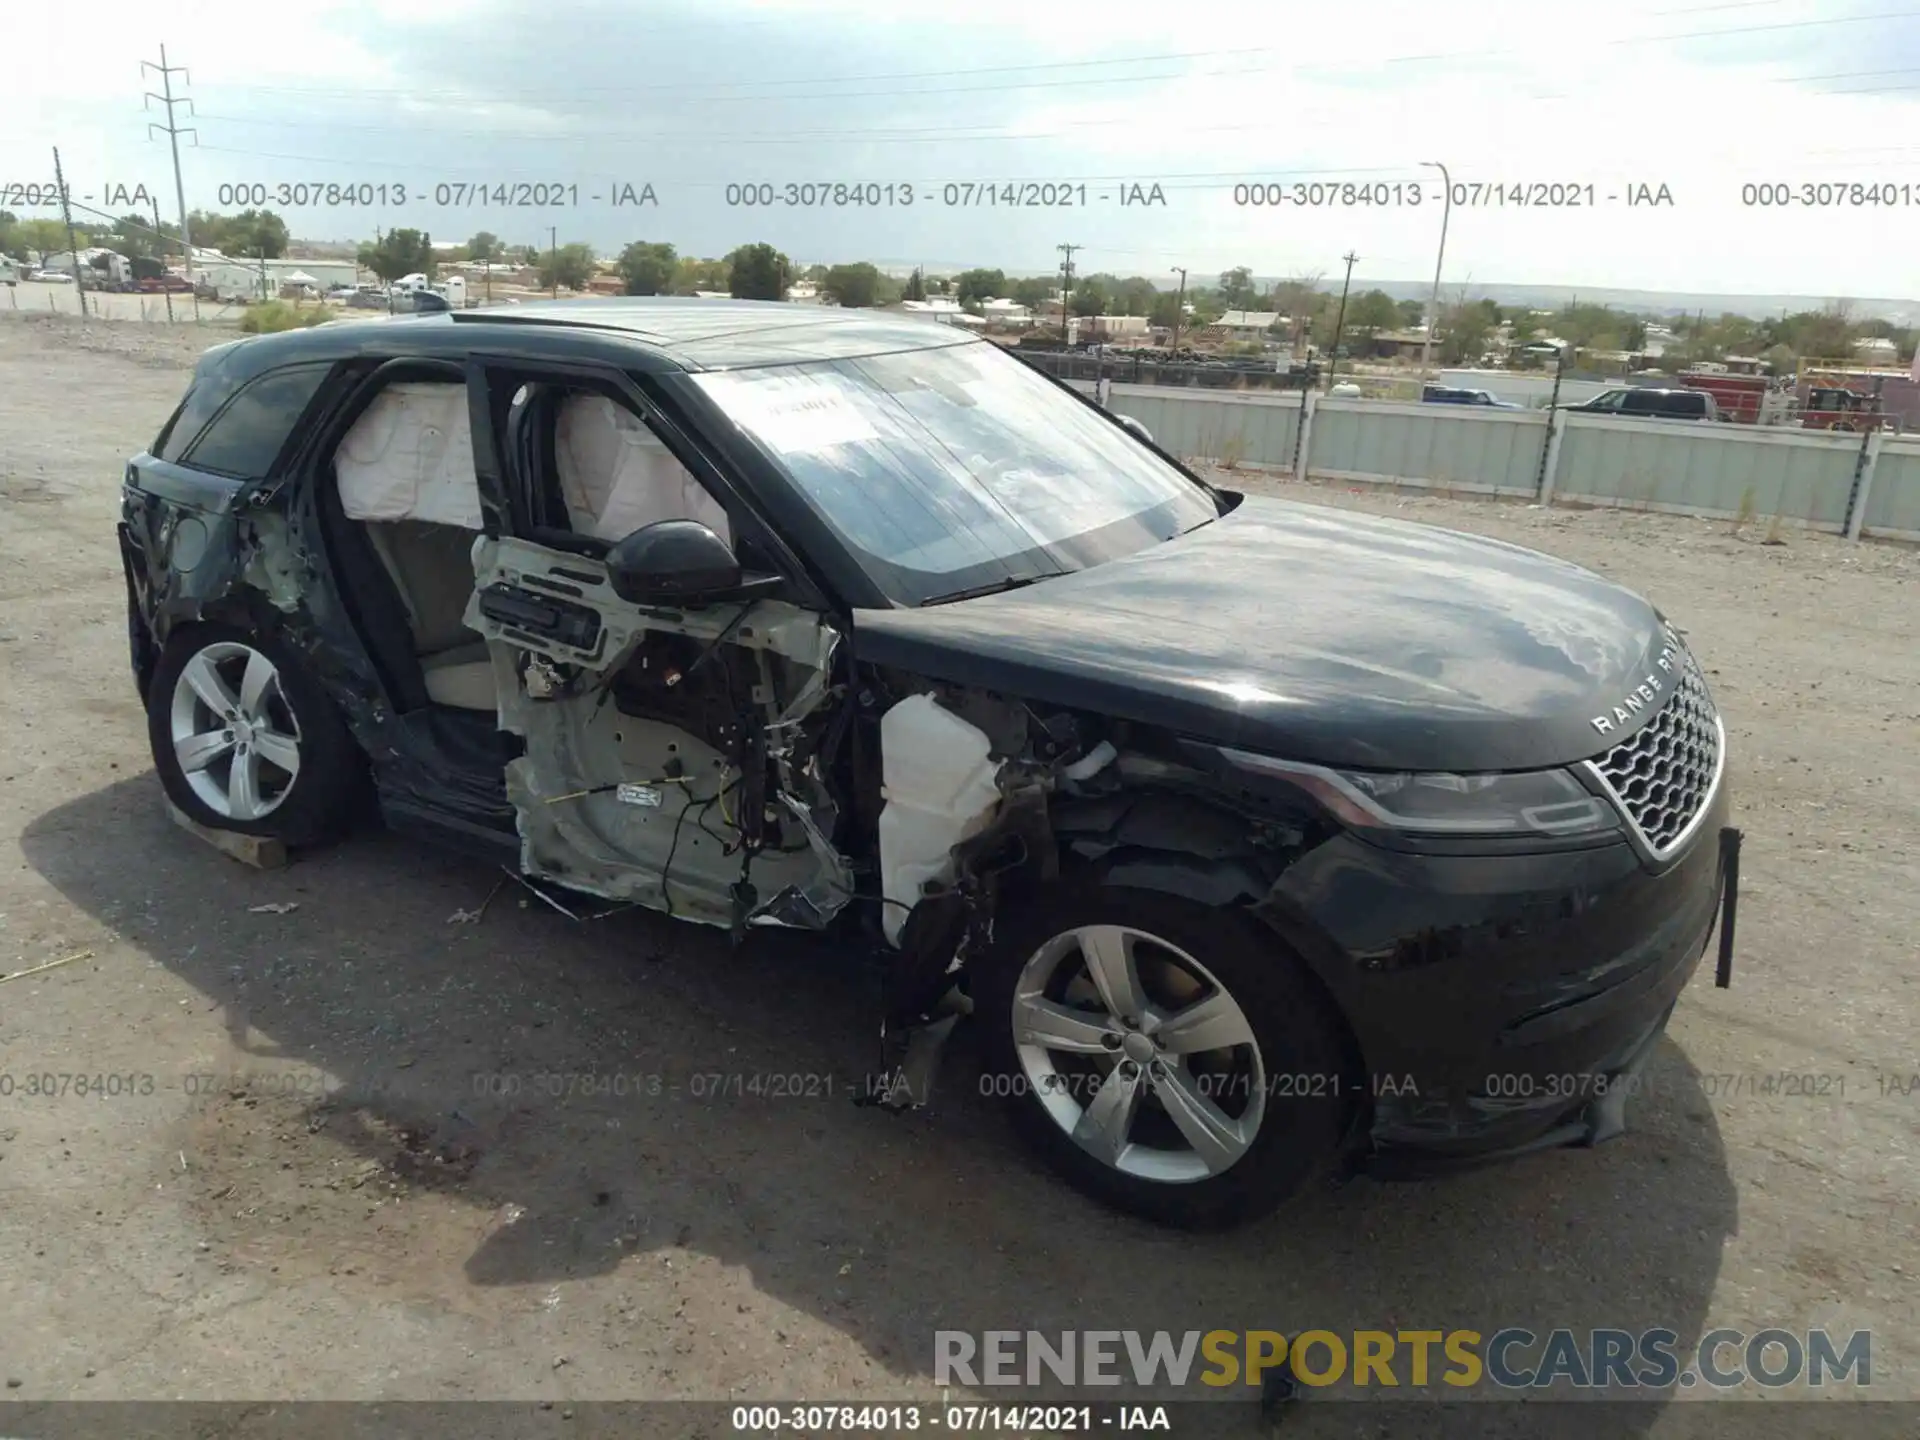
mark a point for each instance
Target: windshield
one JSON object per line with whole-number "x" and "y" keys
{"x": 956, "y": 469}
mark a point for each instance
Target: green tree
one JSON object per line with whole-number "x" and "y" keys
{"x": 815, "y": 273}
{"x": 47, "y": 237}
{"x": 758, "y": 272}
{"x": 399, "y": 252}
{"x": 9, "y": 223}
{"x": 648, "y": 267}
{"x": 973, "y": 286}
{"x": 1090, "y": 296}
{"x": 1412, "y": 313}
{"x": 570, "y": 265}
{"x": 1033, "y": 292}
{"x": 916, "y": 286}
{"x": 691, "y": 275}
{"x": 939, "y": 285}
{"x": 1237, "y": 290}
{"x": 1465, "y": 330}
{"x": 133, "y": 237}
{"x": 255, "y": 233}
{"x": 484, "y": 246}
{"x": 1135, "y": 295}
{"x": 1166, "y": 307}
{"x": 1370, "y": 312}
{"x": 852, "y": 286}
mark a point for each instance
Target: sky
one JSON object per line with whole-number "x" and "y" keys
{"x": 929, "y": 113}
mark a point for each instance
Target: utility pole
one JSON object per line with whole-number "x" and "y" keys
{"x": 66, "y": 213}
{"x": 161, "y": 236}
{"x": 1433, "y": 305}
{"x": 1179, "y": 305}
{"x": 1340, "y": 319}
{"x": 174, "y": 131}
{"x": 553, "y": 258}
{"x": 1066, "y": 285}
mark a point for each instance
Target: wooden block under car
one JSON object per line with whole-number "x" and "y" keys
{"x": 262, "y": 852}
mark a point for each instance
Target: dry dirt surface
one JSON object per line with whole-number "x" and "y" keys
{"x": 353, "y": 1145}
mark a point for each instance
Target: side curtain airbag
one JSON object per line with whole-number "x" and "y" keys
{"x": 410, "y": 457}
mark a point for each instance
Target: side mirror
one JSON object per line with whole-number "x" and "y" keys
{"x": 673, "y": 562}
{"x": 1136, "y": 427}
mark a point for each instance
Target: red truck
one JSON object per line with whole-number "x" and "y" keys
{"x": 1745, "y": 399}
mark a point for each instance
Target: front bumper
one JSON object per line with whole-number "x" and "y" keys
{"x": 1500, "y": 1003}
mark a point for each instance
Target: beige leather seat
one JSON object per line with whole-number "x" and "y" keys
{"x": 405, "y": 471}
{"x": 616, "y": 476}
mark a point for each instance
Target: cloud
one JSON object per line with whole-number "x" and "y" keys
{"x": 711, "y": 102}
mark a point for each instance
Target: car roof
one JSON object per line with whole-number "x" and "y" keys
{"x": 653, "y": 332}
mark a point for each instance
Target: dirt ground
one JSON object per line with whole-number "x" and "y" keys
{"x": 343, "y": 1160}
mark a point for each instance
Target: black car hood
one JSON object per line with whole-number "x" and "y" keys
{"x": 1312, "y": 634}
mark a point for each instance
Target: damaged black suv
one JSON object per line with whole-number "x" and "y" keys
{"x": 1253, "y": 836}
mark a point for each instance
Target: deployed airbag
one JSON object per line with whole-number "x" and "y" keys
{"x": 410, "y": 457}
{"x": 617, "y": 477}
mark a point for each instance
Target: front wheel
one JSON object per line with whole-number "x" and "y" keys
{"x": 1169, "y": 1059}
{"x": 245, "y": 739}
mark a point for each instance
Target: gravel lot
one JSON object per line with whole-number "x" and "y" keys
{"x": 317, "y": 1198}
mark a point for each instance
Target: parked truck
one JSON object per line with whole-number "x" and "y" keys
{"x": 1744, "y": 399}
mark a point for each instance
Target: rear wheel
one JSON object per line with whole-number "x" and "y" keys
{"x": 1167, "y": 1058}
{"x": 245, "y": 739}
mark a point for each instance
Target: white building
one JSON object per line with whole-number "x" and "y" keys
{"x": 941, "y": 308}
{"x": 1004, "y": 314}
{"x": 238, "y": 278}
{"x": 1248, "y": 324}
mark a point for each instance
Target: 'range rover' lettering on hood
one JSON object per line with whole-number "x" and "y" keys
{"x": 1643, "y": 698}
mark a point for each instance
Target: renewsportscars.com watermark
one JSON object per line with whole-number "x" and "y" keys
{"x": 1509, "y": 1359}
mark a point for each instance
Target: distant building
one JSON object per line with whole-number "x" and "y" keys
{"x": 1391, "y": 344}
{"x": 235, "y": 277}
{"x": 1114, "y": 327}
{"x": 942, "y": 308}
{"x": 1246, "y": 324}
{"x": 1005, "y": 314}
{"x": 805, "y": 292}
{"x": 1877, "y": 349}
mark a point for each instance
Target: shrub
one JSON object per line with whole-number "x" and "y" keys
{"x": 277, "y": 315}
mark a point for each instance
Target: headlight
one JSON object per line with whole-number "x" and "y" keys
{"x": 1526, "y": 802}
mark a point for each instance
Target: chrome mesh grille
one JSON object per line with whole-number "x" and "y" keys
{"x": 1663, "y": 773}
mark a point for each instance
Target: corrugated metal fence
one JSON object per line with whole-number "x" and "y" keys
{"x": 1836, "y": 481}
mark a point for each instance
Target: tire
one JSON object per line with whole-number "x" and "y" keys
{"x": 308, "y": 776}
{"x": 1290, "y": 1080}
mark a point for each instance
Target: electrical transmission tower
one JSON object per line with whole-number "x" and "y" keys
{"x": 173, "y": 131}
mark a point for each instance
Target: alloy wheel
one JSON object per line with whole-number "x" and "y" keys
{"x": 1138, "y": 1053}
{"x": 234, "y": 733}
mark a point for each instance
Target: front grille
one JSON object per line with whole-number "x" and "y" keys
{"x": 1663, "y": 774}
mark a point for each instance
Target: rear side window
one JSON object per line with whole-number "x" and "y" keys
{"x": 253, "y": 428}
{"x": 203, "y": 397}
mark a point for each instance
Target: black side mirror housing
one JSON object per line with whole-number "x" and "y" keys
{"x": 680, "y": 563}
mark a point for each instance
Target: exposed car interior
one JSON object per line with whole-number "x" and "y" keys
{"x": 405, "y": 473}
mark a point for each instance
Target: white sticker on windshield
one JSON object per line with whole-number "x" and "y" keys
{"x": 794, "y": 420}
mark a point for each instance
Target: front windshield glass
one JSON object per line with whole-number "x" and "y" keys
{"x": 957, "y": 468}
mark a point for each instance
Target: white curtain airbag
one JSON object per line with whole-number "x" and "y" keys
{"x": 616, "y": 476}
{"x": 410, "y": 457}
